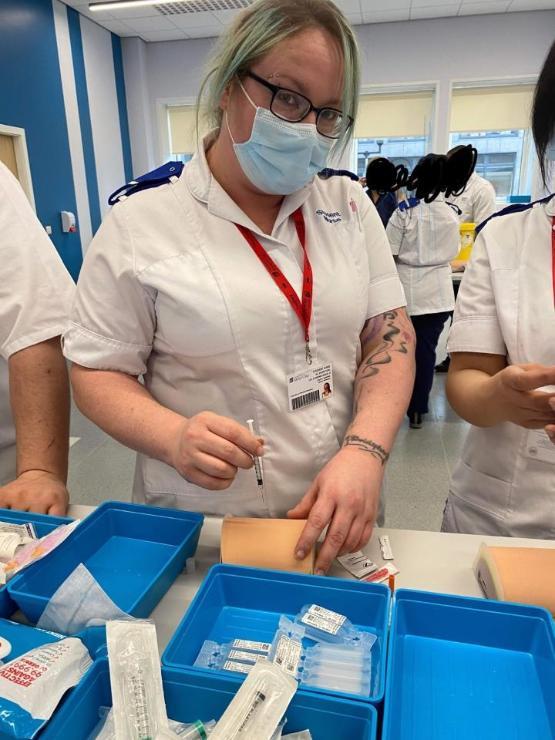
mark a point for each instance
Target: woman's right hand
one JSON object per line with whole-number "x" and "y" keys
{"x": 516, "y": 395}
{"x": 209, "y": 450}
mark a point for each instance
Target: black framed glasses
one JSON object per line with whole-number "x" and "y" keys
{"x": 293, "y": 107}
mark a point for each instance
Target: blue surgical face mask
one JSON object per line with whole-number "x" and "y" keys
{"x": 280, "y": 157}
{"x": 550, "y": 150}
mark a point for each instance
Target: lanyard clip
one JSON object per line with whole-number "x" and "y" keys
{"x": 308, "y": 354}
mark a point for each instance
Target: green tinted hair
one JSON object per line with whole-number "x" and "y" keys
{"x": 257, "y": 30}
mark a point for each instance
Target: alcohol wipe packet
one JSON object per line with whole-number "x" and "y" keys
{"x": 32, "y": 685}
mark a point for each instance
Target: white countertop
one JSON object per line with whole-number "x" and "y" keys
{"x": 431, "y": 561}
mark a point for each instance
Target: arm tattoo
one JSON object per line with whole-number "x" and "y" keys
{"x": 393, "y": 340}
{"x": 367, "y": 445}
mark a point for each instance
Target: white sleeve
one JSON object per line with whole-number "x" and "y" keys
{"x": 484, "y": 206}
{"x": 113, "y": 318}
{"x": 385, "y": 291}
{"x": 36, "y": 290}
{"x": 475, "y": 325}
{"x": 395, "y": 231}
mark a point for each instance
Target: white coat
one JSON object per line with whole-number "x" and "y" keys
{"x": 35, "y": 296}
{"x": 424, "y": 239}
{"x": 170, "y": 290}
{"x": 477, "y": 201}
{"x": 504, "y": 483}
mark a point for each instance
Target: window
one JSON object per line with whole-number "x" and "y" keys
{"x": 405, "y": 150}
{"x": 496, "y": 121}
{"x": 182, "y": 128}
{"x": 395, "y": 126}
{"x": 505, "y": 158}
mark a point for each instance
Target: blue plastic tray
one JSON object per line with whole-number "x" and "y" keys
{"x": 43, "y": 525}
{"x": 135, "y": 553}
{"x": 468, "y": 668}
{"x": 237, "y": 602}
{"x": 190, "y": 697}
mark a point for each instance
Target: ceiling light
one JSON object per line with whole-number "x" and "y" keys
{"x": 122, "y": 4}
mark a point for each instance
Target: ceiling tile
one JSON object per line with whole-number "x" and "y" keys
{"x": 126, "y": 13}
{"x": 532, "y": 5}
{"x": 386, "y": 16}
{"x": 165, "y": 35}
{"x": 118, "y": 27}
{"x": 484, "y": 7}
{"x": 444, "y": 5}
{"x": 201, "y": 33}
{"x": 226, "y": 16}
{"x": 96, "y": 15}
{"x": 433, "y": 11}
{"x": 354, "y": 19}
{"x": 370, "y": 6}
{"x": 185, "y": 21}
{"x": 151, "y": 24}
{"x": 349, "y": 7}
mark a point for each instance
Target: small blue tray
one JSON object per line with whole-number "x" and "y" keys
{"x": 190, "y": 696}
{"x": 460, "y": 667}
{"x": 239, "y": 602}
{"x": 134, "y": 552}
{"x": 43, "y": 525}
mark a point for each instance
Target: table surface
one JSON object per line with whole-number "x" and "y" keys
{"x": 431, "y": 561}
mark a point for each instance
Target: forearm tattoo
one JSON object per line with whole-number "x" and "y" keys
{"x": 394, "y": 339}
{"x": 367, "y": 445}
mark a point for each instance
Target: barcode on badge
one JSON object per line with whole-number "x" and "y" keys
{"x": 305, "y": 400}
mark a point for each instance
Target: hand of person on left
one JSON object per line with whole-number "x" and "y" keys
{"x": 343, "y": 497}
{"x": 36, "y": 490}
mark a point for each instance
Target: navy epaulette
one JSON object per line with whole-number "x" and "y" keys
{"x": 513, "y": 208}
{"x": 328, "y": 172}
{"x": 153, "y": 179}
{"x": 405, "y": 205}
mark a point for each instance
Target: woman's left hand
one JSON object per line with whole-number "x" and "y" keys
{"x": 345, "y": 496}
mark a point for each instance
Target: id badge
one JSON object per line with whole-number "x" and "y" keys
{"x": 310, "y": 386}
{"x": 540, "y": 447}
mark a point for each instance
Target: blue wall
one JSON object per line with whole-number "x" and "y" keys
{"x": 31, "y": 98}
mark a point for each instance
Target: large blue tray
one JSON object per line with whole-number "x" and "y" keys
{"x": 468, "y": 668}
{"x": 238, "y": 602}
{"x": 135, "y": 553}
{"x": 190, "y": 696}
{"x": 43, "y": 525}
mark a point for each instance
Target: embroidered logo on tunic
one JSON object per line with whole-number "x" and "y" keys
{"x": 331, "y": 218}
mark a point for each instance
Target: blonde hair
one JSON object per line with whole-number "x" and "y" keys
{"x": 257, "y": 30}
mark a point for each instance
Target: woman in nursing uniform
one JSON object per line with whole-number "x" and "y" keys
{"x": 502, "y": 374}
{"x": 238, "y": 290}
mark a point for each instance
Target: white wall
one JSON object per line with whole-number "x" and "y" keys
{"x": 478, "y": 48}
{"x": 103, "y": 103}
{"x": 73, "y": 122}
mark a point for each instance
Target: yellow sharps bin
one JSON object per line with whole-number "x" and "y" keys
{"x": 468, "y": 232}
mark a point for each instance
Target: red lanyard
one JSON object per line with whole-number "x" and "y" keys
{"x": 304, "y": 309}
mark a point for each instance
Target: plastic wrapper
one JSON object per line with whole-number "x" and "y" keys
{"x": 35, "y": 550}
{"x": 184, "y": 730}
{"x": 258, "y": 707}
{"x": 136, "y": 681}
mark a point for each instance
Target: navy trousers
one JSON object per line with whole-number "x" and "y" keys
{"x": 428, "y": 328}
